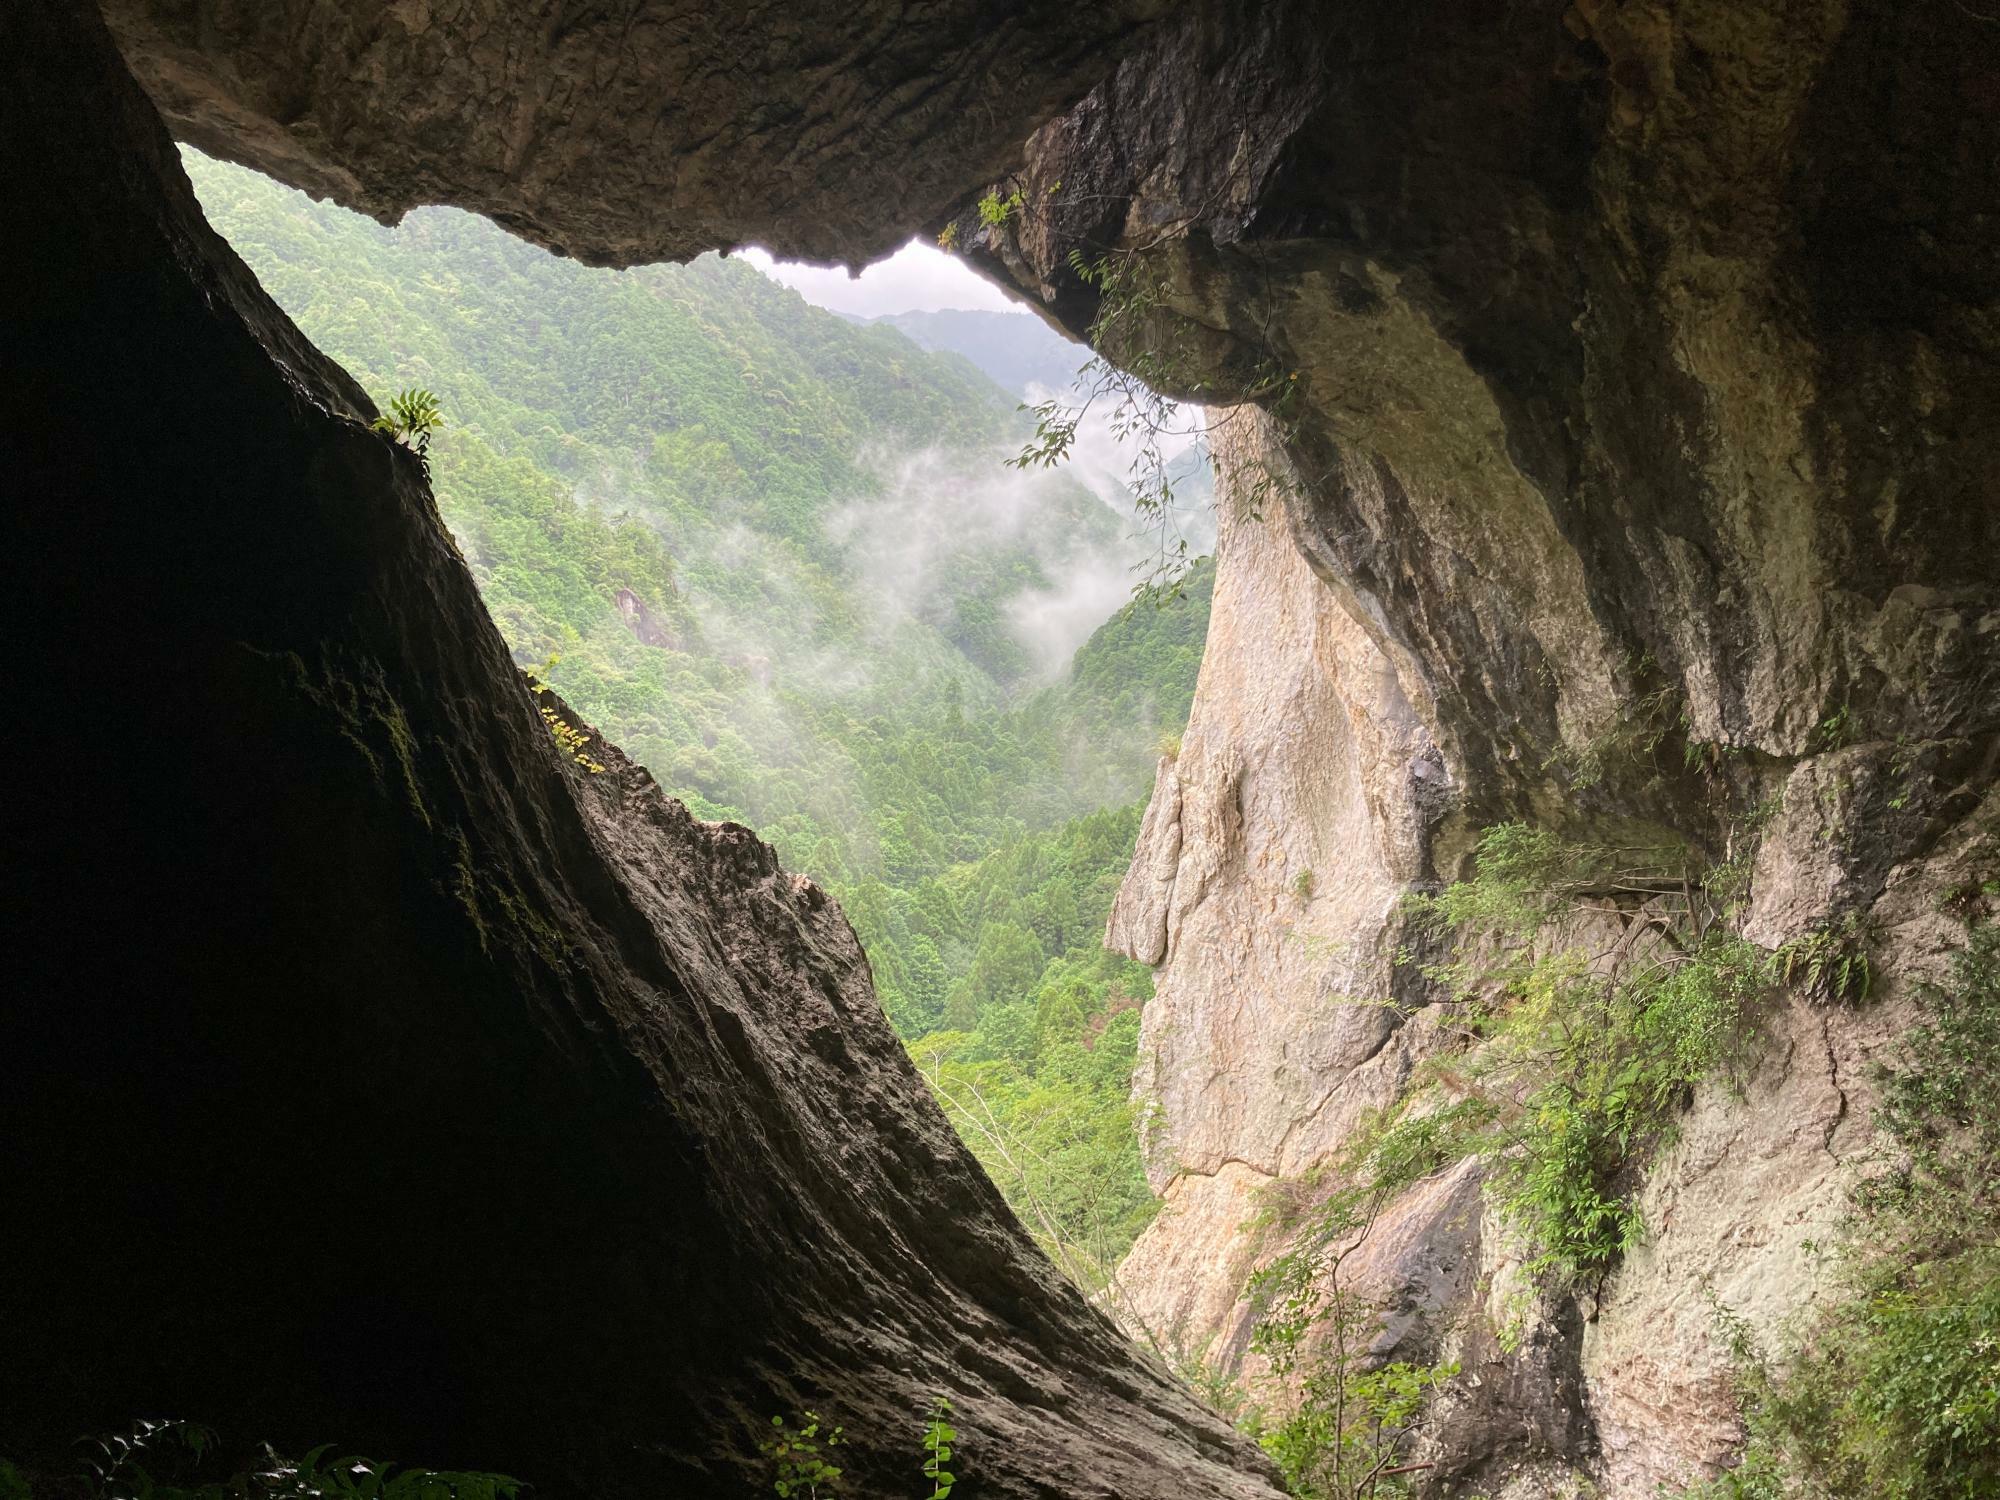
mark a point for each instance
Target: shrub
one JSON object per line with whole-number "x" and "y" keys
{"x": 1893, "y": 1391}
{"x": 159, "y": 1460}
{"x": 1587, "y": 1057}
{"x": 1344, "y": 1417}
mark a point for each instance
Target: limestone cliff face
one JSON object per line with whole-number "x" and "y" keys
{"x": 1265, "y": 886}
{"x": 1640, "y": 374}
{"x": 1268, "y": 1036}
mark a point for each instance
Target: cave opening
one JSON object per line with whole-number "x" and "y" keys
{"x": 388, "y": 1057}
{"x": 770, "y": 533}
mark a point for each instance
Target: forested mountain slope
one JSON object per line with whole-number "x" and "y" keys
{"x": 780, "y": 559}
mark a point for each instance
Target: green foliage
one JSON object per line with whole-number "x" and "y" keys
{"x": 798, "y": 1456}
{"x": 571, "y": 740}
{"x": 1577, "y": 1060}
{"x": 1342, "y": 1439}
{"x": 1141, "y": 667}
{"x": 1585, "y": 1056}
{"x": 1837, "y": 729}
{"x": 995, "y": 210}
{"x": 1040, "y": 1090}
{"x": 680, "y": 489}
{"x": 939, "y": 1435}
{"x": 1341, "y": 1425}
{"x": 1830, "y": 962}
{"x": 1149, "y": 348}
{"x": 412, "y": 416}
{"x": 1530, "y": 879}
{"x": 159, "y": 1460}
{"x": 1600, "y": 1065}
{"x": 1939, "y": 1106}
{"x": 316, "y": 1477}
{"x": 1893, "y": 1390}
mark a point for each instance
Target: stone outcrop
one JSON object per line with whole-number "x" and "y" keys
{"x": 1269, "y": 1038}
{"x": 1630, "y": 349}
{"x": 1267, "y": 890}
{"x": 1269, "y": 869}
{"x": 372, "y": 1071}
{"x": 622, "y": 133}
{"x": 646, "y": 627}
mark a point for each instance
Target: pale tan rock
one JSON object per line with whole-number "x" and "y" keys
{"x": 1268, "y": 878}
{"x": 1181, "y": 1288}
{"x": 1758, "y": 1175}
{"x": 1258, "y": 1061}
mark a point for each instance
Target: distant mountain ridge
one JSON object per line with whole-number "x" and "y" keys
{"x": 1015, "y": 350}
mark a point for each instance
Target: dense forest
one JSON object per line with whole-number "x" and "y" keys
{"x": 779, "y": 556}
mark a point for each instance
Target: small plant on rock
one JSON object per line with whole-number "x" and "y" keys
{"x": 939, "y": 1435}
{"x": 995, "y": 210}
{"x": 1830, "y": 961}
{"x": 412, "y": 417}
{"x": 572, "y": 741}
{"x": 158, "y": 1460}
{"x": 798, "y": 1455}
{"x": 1344, "y": 1421}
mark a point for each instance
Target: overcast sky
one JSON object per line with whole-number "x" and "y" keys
{"x": 917, "y": 278}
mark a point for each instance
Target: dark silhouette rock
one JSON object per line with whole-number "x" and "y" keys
{"x": 372, "y": 1070}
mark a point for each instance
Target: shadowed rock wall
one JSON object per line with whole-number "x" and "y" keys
{"x": 1633, "y": 347}
{"x": 633, "y": 131}
{"x": 371, "y": 1071}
